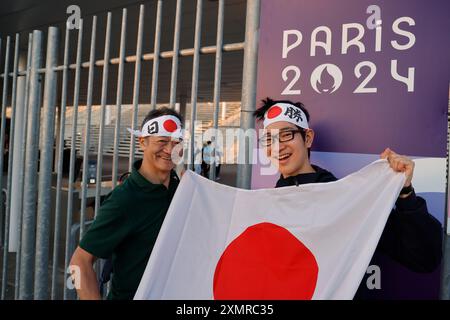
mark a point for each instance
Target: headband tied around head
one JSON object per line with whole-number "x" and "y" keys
{"x": 163, "y": 126}
{"x": 285, "y": 112}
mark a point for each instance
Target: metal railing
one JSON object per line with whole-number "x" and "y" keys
{"x": 33, "y": 146}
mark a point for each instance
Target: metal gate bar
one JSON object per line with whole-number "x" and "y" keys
{"x": 62, "y": 129}
{"x": 137, "y": 81}
{"x": 119, "y": 97}
{"x": 69, "y": 216}
{"x": 194, "y": 84}
{"x": 41, "y": 287}
{"x": 105, "y": 74}
{"x": 31, "y": 166}
{"x": 22, "y": 165}
{"x": 87, "y": 130}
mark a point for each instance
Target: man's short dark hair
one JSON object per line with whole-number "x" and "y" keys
{"x": 164, "y": 111}
{"x": 267, "y": 103}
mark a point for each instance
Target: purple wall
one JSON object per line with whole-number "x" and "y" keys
{"x": 410, "y": 122}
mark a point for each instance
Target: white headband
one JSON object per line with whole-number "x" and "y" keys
{"x": 163, "y": 126}
{"x": 285, "y": 112}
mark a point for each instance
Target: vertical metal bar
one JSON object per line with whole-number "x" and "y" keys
{"x": 1, "y": 49}
{"x": 98, "y": 179}
{"x": 22, "y": 164}
{"x": 41, "y": 285}
{"x": 11, "y": 144}
{"x": 87, "y": 129}
{"x": 194, "y": 89}
{"x": 156, "y": 51}
{"x": 1, "y": 216}
{"x": 2, "y": 139}
{"x": 3, "y": 116}
{"x": 137, "y": 79}
{"x": 119, "y": 98}
{"x": 2, "y": 142}
{"x": 99, "y": 168}
{"x": 248, "y": 101}
{"x": 57, "y": 137}
{"x": 444, "y": 292}
{"x": 31, "y": 168}
{"x": 176, "y": 52}
{"x": 59, "y": 170}
{"x": 217, "y": 79}
{"x": 10, "y": 153}
{"x": 76, "y": 95}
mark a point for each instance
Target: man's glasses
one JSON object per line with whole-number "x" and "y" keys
{"x": 284, "y": 136}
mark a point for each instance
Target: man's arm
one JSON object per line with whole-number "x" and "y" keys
{"x": 107, "y": 231}
{"x": 412, "y": 236}
{"x": 88, "y": 285}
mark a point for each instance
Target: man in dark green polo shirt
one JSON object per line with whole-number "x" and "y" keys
{"x": 130, "y": 218}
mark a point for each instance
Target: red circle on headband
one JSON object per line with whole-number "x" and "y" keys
{"x": 274, "y": 112}
{"x": 170, "y": 125}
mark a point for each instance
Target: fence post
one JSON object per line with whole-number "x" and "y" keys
{"x": 20, "y": 136}
{"x": 123, "y": 38}
{"x": 194, "y": 87}
{"x": 156, "y": 51}
{"x": 7, "y": 247}
{"x": 2, "y": 143}
{"x": 59, "y": 166}
{"x": 87, "y": 127}
{"x": 248, "y": 103}
{"x": 176, "y": 53}
{"x": 137, "y": 79}
{"x": 444, "y": 293}
{"x": 41, "y": 285}
{"x": 445, "y": 273}
{"x": 105, "y": 77}
{"x": 217, "y": 80}
{"x": 69, "y": 214}
{"x": 30, "y": 180}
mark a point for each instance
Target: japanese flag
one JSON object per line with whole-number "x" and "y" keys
{"x": 312, "y": 241}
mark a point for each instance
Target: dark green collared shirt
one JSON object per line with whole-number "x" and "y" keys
{"x": 126, "y": 228}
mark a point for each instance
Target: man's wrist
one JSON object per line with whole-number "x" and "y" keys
{"x": 408, "y": 202}
{"x": 406, "y": 191}
{"x": 403, "y": 196}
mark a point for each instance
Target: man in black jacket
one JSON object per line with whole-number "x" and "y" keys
{"x": 412, "y": 236}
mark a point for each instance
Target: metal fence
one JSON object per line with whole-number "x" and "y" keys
{"x": 35, "y": 135}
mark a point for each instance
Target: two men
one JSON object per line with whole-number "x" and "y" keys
{"x": 129, "y": 220}
{"x": 412, "y": 236}
{"x": 131, "y": 216}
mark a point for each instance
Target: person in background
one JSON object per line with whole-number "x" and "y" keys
{"x": 218, "y": 157}
{"x": 198, "y": 160}
{"x": 207, "y": 158}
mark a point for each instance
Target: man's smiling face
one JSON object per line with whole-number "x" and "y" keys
{"x": 158, "y": 151}
{"x": 288, "y": 156}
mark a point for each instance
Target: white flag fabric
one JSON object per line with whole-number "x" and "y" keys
{"x": 312, "y": 241}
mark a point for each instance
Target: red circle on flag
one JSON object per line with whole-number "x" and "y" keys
{"x": 266, "y": 262}
{"x": 170, "y": 125}
{"x": 274, "y": 112}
